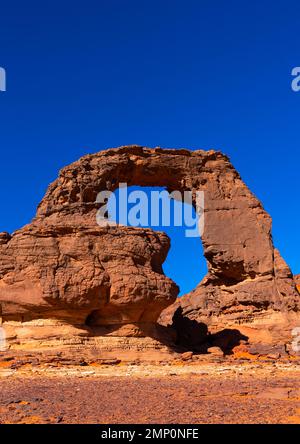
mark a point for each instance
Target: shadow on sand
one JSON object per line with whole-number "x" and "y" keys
{"x": 194, "y": 335}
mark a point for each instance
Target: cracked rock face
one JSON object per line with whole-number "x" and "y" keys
{"x": 64, "y": 266}
{"x": 297, "y": 280}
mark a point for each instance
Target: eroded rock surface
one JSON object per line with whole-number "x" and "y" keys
{"x": 64, "y": 267}
{"x": 297, "y": 280}
{"x": 75, "y": 272}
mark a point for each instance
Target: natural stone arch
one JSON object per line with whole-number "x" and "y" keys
{"x": 237, "y": 237}
{"x": 64, "y": 266}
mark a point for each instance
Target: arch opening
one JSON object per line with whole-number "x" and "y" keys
{"x": 156, "y": 208}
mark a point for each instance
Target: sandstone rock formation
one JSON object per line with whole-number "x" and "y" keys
{"x": 82, "y": 274}
{"x": 64, "y": 267}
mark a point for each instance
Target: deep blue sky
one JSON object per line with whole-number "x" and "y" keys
{"x": 84, "y": 76}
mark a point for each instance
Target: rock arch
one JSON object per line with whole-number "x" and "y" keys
{"x": 237, "y": 235}
{"x": 64, "y": 266}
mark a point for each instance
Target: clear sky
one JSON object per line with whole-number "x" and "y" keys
{"x": 84, "y": 76}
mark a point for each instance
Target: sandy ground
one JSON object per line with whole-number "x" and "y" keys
{"x": 187, "y": 393}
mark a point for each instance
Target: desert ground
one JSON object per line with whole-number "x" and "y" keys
{"x": 198, "y": 391}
